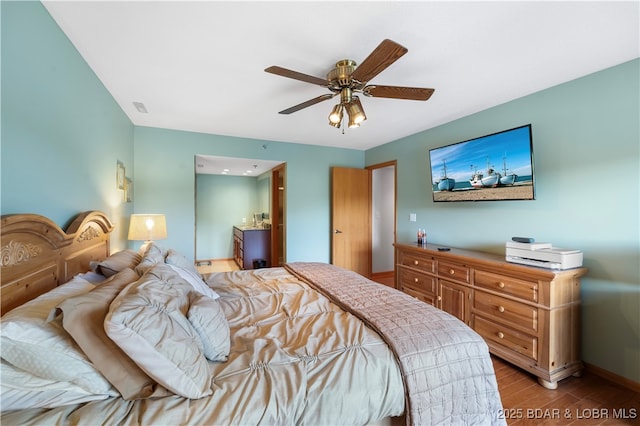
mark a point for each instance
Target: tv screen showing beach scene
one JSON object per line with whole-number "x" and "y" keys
{"x": 494, "y": 167}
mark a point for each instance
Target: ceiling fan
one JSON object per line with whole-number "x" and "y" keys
{"x": 347, "y": 78}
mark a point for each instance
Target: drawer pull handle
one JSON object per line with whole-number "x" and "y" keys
{"x": 415, "y": 280}
{"x": 439, "y": 298}
{"x": 500, "y": 308}
{"x": 415, "y": 262}
{"x": 451, "y": 272}
{"x": 501, "y": 284}
{"x": 501, "y": 334}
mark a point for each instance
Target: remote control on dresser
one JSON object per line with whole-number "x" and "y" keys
{"x": 523, "y": 239}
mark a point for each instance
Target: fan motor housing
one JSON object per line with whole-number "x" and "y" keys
{"x": 340, "y": 76}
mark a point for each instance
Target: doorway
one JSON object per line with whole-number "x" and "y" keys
{"x": 229, "y": 192}
{"x": 383, "y": 217}
{"x": 383, "y": 221}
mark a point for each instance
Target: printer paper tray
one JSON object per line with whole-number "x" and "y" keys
{"x": 534, "y": 262}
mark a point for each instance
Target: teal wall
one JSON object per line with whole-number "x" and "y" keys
{"x": 165, "y": 178}
{"x": 587, "y": 165}
{"x": 263, "y": 189}
{"x": 221, "y": 203}
{"x": 62, "y": 132}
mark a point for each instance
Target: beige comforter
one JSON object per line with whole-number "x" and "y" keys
{"x": 296, "y": 358}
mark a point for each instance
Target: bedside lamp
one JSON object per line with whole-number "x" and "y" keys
{"x": 147, "y": 228}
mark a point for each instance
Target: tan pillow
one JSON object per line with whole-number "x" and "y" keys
{"x": 149, "y": 324}
{"x": 153, "y": 249}
{"x": 83, "y": 318}
{"x": 207, "y": 317}
{"x": 117, "y": 262}
{"x": 177, "y": 259}
{"x": 152, "y": 254}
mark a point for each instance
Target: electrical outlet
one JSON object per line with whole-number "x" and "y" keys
{"x": 412, "y": 217}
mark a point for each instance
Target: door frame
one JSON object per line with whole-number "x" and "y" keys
{"x": 278, "y": 221}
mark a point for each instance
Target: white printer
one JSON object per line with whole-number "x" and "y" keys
{"x": 542, "y": 255}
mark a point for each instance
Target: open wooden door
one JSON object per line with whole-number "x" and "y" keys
{"x": 351, "y": 219}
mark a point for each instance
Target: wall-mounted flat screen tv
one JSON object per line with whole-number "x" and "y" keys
{"x": 494, "y": 167}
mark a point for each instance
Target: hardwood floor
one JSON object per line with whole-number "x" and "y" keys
{"x": 217, "y": 265}
{"x": 386, "y": 278}
{"x": 586, "y": 400}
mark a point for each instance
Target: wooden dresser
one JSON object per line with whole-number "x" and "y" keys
{"x": 528, "y": 316}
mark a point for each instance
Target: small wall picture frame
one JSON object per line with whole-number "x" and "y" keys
{"x": 120, "y": 175}
{"x": 128, "y": 190}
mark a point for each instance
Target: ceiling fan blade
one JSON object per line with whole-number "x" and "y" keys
{"x": 397, "y": 92}
{"x": 382, "y": 56}
{"x": 307, "y": 103}
{"x": 297, "y": 76}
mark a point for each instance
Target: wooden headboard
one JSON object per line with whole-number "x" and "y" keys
{"x": 37, "y": 255}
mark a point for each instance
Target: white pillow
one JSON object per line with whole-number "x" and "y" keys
{"x": 32, "y": 343}
{"x": 207, "y": 317}
{"x": 147, "y": 321}
{"x": 20, "y": 390}
{"x": 195, "y": 281}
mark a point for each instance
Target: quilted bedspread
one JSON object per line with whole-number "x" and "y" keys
{"x": 448, "y": 374}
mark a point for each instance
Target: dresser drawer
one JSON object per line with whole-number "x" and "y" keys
{"x": 416, "y": 280}
{"x": 417, "y": 261}
{"x": 454, "y": 271}
{"x": 425, "y": 297}
{"x": 505, "y": 311}
{"x": 527, "y": 290}
{"x": 521, "y": 343}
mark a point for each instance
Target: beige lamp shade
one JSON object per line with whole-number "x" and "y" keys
{"x": 147, "y": 227}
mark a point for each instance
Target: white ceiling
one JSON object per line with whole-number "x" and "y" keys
{"x": 199, "y": 66}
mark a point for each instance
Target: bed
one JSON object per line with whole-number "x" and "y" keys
{"x": 140, "y": 338}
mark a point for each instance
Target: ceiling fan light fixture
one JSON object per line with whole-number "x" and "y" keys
{"x": 336, "y": 114}
{"x": 355, "y": 111}
{"x": 336, "y": 125}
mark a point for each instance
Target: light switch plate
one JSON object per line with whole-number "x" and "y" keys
{"x": 412, "y": 217}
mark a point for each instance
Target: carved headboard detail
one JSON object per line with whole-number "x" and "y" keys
{"x": 37, "y": 255}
